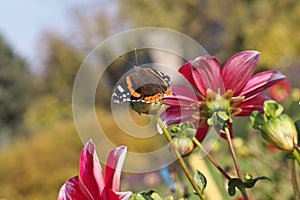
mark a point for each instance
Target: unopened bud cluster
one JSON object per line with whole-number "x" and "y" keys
{"x": 275, "y": 127}
{"x": 182, "y": 137}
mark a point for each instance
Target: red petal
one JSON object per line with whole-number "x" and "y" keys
{"x": 223, "y": 135}
{"x": 113, "y": 168}
{"x": 181, "y": 96}
{"x": 119, "y": 195}
{"x": 203, "y": 73}
{"x": 186, "y": 70}
{"x": 202, "y": 132}
{"x": 280, "y": 91}
{"x": 73, "y": 189}
{"x": 255, "y": 103}
{"x": 260, "y": 82}
{"x": 176, "y": 115}
{"x": 238, "y": 70}
{"x": 90, "y": 170}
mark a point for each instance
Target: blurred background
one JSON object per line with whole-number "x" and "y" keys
{"x": 43, "y": 43}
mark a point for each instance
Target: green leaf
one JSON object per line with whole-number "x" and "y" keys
{"x": 231, "y": 191}
{"x": 200, "y": 180}
{"x": 252, "y": 182}
{"x": 241, "y": 185}
{"x": 233, "y": 184}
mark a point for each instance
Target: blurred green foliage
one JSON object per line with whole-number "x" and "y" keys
{"x": 39, "y": 105}
{"x": 15, "y": 91}
{"x": 36, "y": 168}
{"x": 226, "y": 27}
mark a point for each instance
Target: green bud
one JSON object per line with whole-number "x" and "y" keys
{"x": 281, "y": 132}
{"x": 184, "y": 145}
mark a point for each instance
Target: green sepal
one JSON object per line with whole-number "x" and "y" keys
{"x": 272, "y": 108}
{"x": 256, "y": 120}
{"x": 182, "y": 130}
{"x": 218, "y": 120}
{"x": 200, "y": 180}
{"x": 297, "y": 124}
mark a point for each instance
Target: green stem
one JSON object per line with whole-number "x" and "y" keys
{"x": 297, "y": 156}
{"x": 237, "y": 167}
{"x": 180, "y": 159}
{"x": 211, "y": 159}
{"x": 294, "y": 180}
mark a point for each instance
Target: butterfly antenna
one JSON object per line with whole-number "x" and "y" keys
{"x": 136, "y": 60}
{"x": 127, "y": 61}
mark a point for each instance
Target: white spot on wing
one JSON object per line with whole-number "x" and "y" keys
{"x": 120, "y": 89}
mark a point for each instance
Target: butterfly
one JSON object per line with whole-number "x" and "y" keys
{"x": 145, "y": 85}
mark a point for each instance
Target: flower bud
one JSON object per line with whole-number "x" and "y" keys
{"x": 281, "y": 132}
{"x": 276, "y": 127}
{"x": 183, "y": 145}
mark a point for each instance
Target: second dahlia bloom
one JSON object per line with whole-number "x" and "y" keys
{"x": 280, "y": 91}
{"x": 91, "y": 184}
{"x": 219, "y": 93}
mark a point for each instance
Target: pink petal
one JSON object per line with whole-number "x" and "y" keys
{"x": 119, "y": 195}
{"x": 90, "y": 170}
{"x": 186, "y": 70}
{"x": 203, "y": 73}
{"x": 260, "y": 82}
{"x": 113, "y": 168}
{"x": 73, "y": 189}
{"x": 255, "y": 103}
{"x": 181, "y": 96}
{"x": 238, "y": 70}
{"x": 176, "y": 115}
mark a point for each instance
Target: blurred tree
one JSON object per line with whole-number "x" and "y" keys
{"x": 222, "y": 27}
{"x": 212, "y": 23}
{"x": 62, "y": 61}
{"x": 225, "y": 27}
{"x": 15, "y": 90}
{"x": 54, "y": 87}
{"x": 37, "y": 167}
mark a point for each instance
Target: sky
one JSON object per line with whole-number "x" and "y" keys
{"x": 22, "y": 22}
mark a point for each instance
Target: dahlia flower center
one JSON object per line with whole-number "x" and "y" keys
{"x": 220, "y": 108}
{"x": 216, "y": 103}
